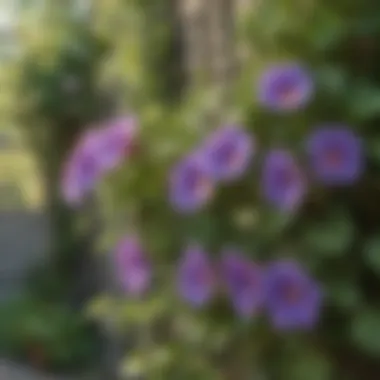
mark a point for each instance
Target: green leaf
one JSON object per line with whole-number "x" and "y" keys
{"x": 332, "y": 79}
{"x": 100, "y": 307}
{"x": 365, "y": 331}
{"x": 134, "y": 365}
{"x": 330, "y": 237}
{"x": 144, "y": 311}
{"x": 344, "y": 294}
{"x": 372, "y": 254}
{"x": 190, "y": 329}
{"x": 374, "y": 150}
{"x": 368, "y": 25}
{"x": 308, "y": 364}
{"x": 272, "y": 223}
{"x": 364, "y": 102}
{"x": 278, "y": 16}
{"x": 326, "y": 29}
{"x": 202, "y": 228}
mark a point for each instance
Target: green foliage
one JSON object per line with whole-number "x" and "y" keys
{"x": 62, "y": 339}
{"x": 345, "y": 293}
{"x": 365, "y": 331}
{"x": 308, "y": 364}
{"x": 332, "y": 234}
{"x": 58, "y": 98}
{"x": 163, "y": 50}
{"x": 372, "y": 254}
{"x": 59, "y": 95}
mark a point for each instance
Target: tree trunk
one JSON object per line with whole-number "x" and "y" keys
{"x": 209, "y": 35}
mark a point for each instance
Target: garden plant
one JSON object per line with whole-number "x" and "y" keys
{"x": 250, "y": 249}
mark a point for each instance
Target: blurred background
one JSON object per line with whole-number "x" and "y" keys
{"x": 183, "y": 66}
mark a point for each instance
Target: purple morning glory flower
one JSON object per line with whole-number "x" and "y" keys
{"x": 228, "y": 152}
{"x": 116, "y": 141}
{"x": 285, "y": 87}
{"x": 283, "y": 183}
{"x": 98, "y": 151}
{"x": 244, "y": 283}
{"x": 82, "y": 170}
{"x": 190, "y": 186}
{"x": 195, "y": 277}
{"x": 132, "y": 266}
{"x": 336, "y": 155}
{"x": 293, "y": 299}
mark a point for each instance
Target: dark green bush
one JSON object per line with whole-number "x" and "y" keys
{"x": 48, "y": 335}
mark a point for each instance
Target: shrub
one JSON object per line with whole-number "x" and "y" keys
{"x": 47, "y": 335}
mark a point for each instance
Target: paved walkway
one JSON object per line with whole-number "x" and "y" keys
{"x": 13, "y": 371}
{"x": 24, "y": 240}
